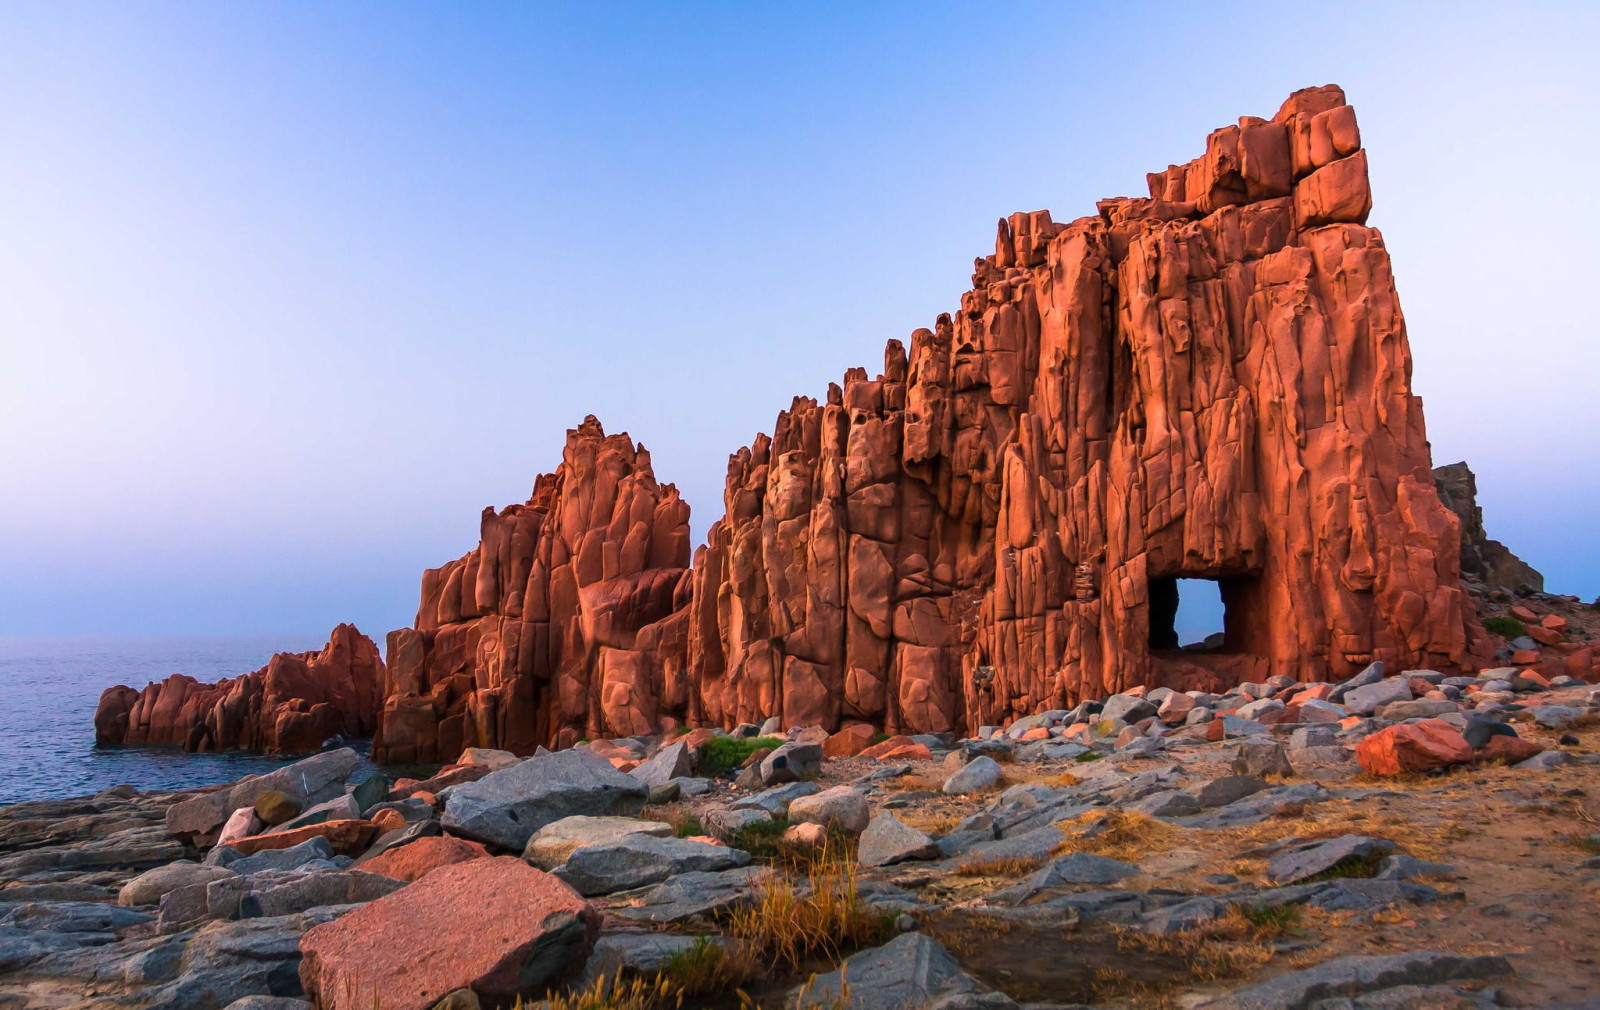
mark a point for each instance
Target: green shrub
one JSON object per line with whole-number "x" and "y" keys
{"x": 1278, "y": 919}
{"x": 1088, "y": 756}
{"x": 724, "y": 752}
{"x": 689, "y": 826}
{"x": 1505, "y": 627}
{"x": 762, "y": 839}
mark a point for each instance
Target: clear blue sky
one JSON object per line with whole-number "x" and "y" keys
{"x": 290, "y": 291}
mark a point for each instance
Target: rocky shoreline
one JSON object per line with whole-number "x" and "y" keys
{"x": 1411, "y": 840}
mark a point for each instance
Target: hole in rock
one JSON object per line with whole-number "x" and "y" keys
{"x": 1189, "y": 614}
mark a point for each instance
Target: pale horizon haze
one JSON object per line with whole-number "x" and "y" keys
{"x": 290, "y": 292}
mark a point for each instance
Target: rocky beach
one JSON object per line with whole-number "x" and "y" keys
{"x": 1404, "y": 840}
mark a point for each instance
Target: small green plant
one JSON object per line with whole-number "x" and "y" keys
{"x": 689, "y": 826}
{"x": 879, "y": 737}
{"x": 1088, "y": 756}
{"x": 1352, "y": 866}
{"x": 1505, "y": 627}
{"x": 1274, "y": 919}
{"x": 762, "y": 839}
{"x": 682, "y": 731}
{"x": 724, "y": 752}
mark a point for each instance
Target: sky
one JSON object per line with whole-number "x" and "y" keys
{"x": 289, "y": 292}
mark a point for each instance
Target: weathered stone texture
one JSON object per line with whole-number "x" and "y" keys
{"x": 1482, "y": 558}
{"x": 1213, "y": 382}
{"x": 291, "y": 705}
{"x": 567, "y": 620}
{"x": 1210, "y": 383}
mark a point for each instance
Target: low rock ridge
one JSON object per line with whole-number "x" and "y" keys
{"x": 294, "y": 704}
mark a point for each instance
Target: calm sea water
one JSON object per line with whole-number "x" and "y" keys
{"x": 49, "y": 688}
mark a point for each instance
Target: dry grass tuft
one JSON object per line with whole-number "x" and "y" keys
{"x": 1237, "y": 943}
{"x": 708, "y": 967}
{"x": 1013, "y": 866}
{"x": 932, "y": 822}
{"x": 1119, "y": 834}
{"x": 916, "y": 784}
{"x": 642, "y": 992}
{"x": 824, "y": 914}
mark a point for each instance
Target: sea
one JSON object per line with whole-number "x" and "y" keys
{"x": 49, "y": 688}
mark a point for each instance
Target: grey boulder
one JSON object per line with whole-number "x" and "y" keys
{"x": 640, "y": 860}
{"x": 506, "y": 807}
{"x": 1313, "y": 858}
{"x": 889, "y": 840}
{"x": 911, "y": 971}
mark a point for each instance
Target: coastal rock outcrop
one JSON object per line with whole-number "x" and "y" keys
{"x": 1212, "y": 383}
{"x": 569, "y": 619}
{"x": 1208, "y": 389}
{"x": 1485, "y": 560}
{"x": 292, "y": 705}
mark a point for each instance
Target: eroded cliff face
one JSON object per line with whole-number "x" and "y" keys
{"x": 1209, "y": 383}
{"x": 1482, "y": 559}
{"x": 569, "y": 619}
{"x": 291, "y": 705}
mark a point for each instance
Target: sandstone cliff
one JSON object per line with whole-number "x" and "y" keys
{"x": 291, "y": 705}
{"x": 1209, "y": 383}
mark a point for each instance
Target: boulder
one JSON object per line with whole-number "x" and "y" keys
{"x": 776, "y": 800}
{"x": 1260, "y": 758}
{"x": 347, "y": 837}
{"x": 411, "y": 862}
{"x": 1413, "y": 747}
{"x": 505, "y": 808}
{"x": 1342, "y": 980}
{"x": 228, "y": 961}
{"x": 889, "y": 840}
{"x": 408, "y": 950}
{"x": 849, "y": 741}
{"x": 978, "y": 775}
{"x": 489, "y": 757}
{"x": 840, "y": 808}
{"x": 639, "y": 860}
{"x": 1313, "y": 858}
{"x": 315, "y": 890}
{"x": 912, "y": 970}
{"x": 792, "y": 762}
{"x": 1369, "y": 698}
{"x": 243, "y": 823}
{"x": 1509, "y": 750}
{"x": 148, "y": 887}
{"x": 670, "y": 762}
{"x": 554, "y": 842}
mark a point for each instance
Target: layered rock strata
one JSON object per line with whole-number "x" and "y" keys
{"x": 1212, "y": 383}
{"x": 569, "y": 619}
{"x": 292, "y": 705}
{"x": 1488, "y": 561}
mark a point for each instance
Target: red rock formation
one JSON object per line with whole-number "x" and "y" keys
{"x": 1213, "y": 382}
{"x": 1209, "y": 383}
{"x": 291, "y": 705}
{"x": 1488, "y": 561}
{"x": 567, "y": 620}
